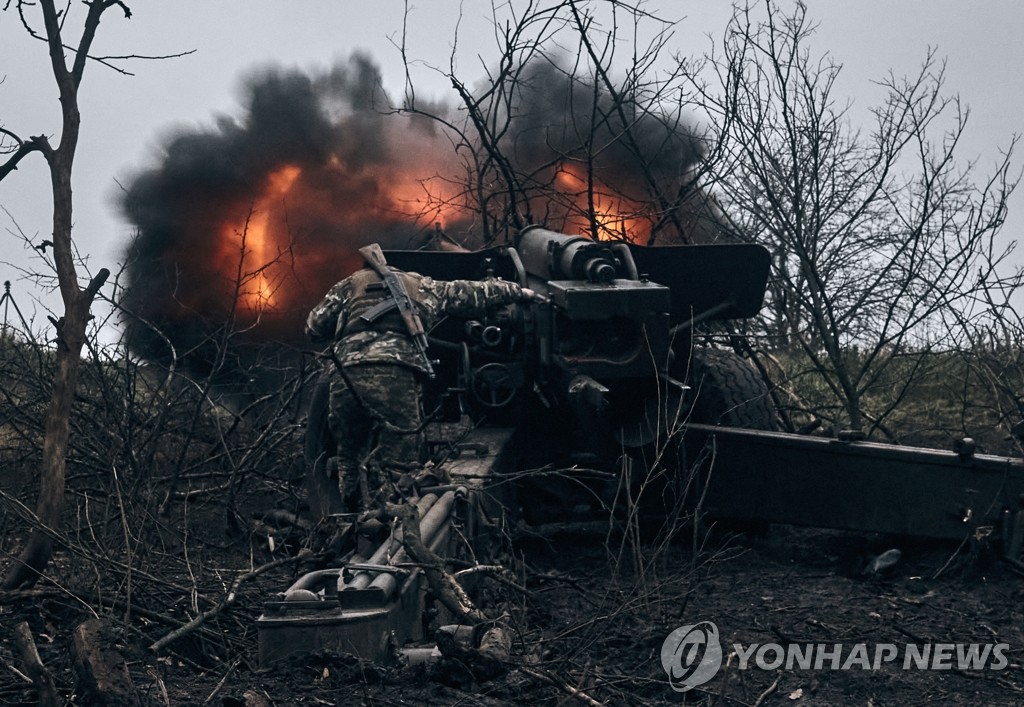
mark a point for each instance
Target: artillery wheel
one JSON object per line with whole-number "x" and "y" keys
{"x": 724, "y": 390}
{"x": 321, "y": 491}
{"x": 729, "y": 391}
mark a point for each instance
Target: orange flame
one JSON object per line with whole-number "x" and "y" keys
{"x": 271, "y": 268}
{"x": 299, "y": 235}
{"x": 615, "y": 216}
{"x": 257, "y": 246}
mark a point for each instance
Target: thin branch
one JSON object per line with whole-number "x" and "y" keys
{"x": 38, "y": 143}
{"x": 230, "y": 597}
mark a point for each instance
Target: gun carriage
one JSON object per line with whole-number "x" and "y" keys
{"x": 597, "y": 378}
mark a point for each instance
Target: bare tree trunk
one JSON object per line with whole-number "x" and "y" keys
{"x": 71, "y": 337}
{"x": 71, "y": 327}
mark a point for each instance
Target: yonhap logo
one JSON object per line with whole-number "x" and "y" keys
{"x": 691, "y": 655}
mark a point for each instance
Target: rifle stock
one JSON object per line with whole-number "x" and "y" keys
{"x": 374, "y": 257}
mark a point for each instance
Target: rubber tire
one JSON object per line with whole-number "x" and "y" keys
{"x": 729, "y": 391}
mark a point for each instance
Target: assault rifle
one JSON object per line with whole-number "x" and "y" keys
{"x": 374, "y": 257}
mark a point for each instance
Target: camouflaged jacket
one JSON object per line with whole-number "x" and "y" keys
{"x": 386, "y": 340}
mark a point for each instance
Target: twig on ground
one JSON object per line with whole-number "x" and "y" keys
{"x": 769, "y": 691}
{"x": 562, "y": 685}
{"x": 220, "y": 684}
{"x": 229, "y": 598}
{"x": 24, "y": 678}
{"x": 40, "y": 675}
{"x": 497, "y": 572}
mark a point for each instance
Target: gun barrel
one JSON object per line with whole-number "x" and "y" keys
{"x": 558, "y": 256}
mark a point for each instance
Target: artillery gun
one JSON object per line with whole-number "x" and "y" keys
{"x": 597, "y": 378}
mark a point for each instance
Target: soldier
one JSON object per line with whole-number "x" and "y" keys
{"x": 375, "y": 411}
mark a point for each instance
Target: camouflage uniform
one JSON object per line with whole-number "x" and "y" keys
{"x": 379, "y": 423}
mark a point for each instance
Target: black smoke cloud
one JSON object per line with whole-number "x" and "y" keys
{"x": 338, "y": 129}
{"x": 629, "y": 145}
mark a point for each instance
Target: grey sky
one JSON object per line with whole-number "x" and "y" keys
{"x": 124, "y": 117}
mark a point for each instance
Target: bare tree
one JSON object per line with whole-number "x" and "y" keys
{"x": 876, "y": 233}
{"x": 988, "y": 368}
{"x": 77, "y": 300}
{"x": 571, "y": 132}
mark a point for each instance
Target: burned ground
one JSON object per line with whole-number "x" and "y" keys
{"x": 588, "y": 612}
{"x": 589, "y": 621}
